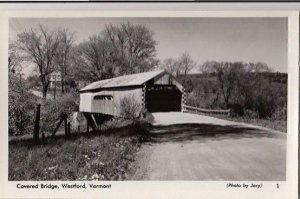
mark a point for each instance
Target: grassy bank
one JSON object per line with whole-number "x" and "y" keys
{"x": 279, "y": 125}
{"x": 105, "y": 155}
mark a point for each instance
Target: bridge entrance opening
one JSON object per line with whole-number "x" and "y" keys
{"x": 163, "y": 98}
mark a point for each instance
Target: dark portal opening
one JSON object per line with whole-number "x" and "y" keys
{"x": 163, "y": 98}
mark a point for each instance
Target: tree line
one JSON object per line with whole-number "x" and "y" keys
{"x": 250, "y": 89}
{"x": 117, "y": 50}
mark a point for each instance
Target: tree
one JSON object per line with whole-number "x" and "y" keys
{"x": 92, "y": 61}
{"x": 132, "y": 48}
{"x": 246, "y": 86}
{"x": 227, "y": 74}
{"x": 171, "y": 66}
{"x": 116, "y": 51}
{"x": 258, "y": 67}
{"x": 186, "y": 63}
{"x": 181, "y": 66}
{"x": 63, "y": 57}
{"x": 20, "y": 105}
{"x": 40, "y": 48}
{"x": 14, "y": 58}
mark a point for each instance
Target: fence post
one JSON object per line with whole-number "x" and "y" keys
{"x": 58, "y": 125}
{"x": 36, "y": 131}
{"x": 69, "y": 128}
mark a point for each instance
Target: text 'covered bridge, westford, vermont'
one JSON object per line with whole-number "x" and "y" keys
{"x": 157, "y": 91}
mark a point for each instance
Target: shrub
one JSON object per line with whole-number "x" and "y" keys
{"x": 130, "y": 108}
{"x": 52, "y": 110}
{"x": 188, "y": 85}
{"x": 192, "y": 99}
{"x": 250, "y": 114}
{"x": 236, "y": 110}
{"x": 265, "y": 103}
{"x": 148, "y": 118}
{"x": 21, "y": 107}
{"x": 280, "y": 113}
{"x": 114, "y": 123}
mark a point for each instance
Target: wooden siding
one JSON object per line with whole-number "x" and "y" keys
{"x": 109, "y": 107}
{"x": 165, "y": 79}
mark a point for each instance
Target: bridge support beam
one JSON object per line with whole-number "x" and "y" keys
{"x": 90, "y": 122}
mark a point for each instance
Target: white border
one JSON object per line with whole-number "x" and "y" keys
{"x": 161, "y": 189}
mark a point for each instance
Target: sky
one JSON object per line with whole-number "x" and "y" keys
{"x": 219, "y": 39}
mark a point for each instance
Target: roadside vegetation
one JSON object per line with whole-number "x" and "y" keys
{"x": 105, "y": 155}
{"x": 279, "y": 125}
{"x": 253, "y": 93}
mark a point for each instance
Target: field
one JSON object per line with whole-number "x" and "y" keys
{"x": 105, "y": 155}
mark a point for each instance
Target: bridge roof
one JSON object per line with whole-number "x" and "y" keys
{"x": 136, "y": 79}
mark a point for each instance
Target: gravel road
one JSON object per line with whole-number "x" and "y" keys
{"x": 194, "y": 147}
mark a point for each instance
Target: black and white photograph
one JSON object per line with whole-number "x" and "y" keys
{"x": 148, "y": 99}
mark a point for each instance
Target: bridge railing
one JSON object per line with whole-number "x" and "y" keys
{"x": 193, "y": 109}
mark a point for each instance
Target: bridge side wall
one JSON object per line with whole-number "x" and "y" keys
{"x": 89, "y": 104}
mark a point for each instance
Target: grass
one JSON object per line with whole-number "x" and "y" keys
{"x": 279, "y": 125}
{"x": 107, "y": 155}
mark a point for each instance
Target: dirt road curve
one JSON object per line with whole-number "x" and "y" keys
{"x": 205, "y": 148}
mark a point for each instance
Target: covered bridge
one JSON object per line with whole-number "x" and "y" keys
{"x": 157, "y": 91}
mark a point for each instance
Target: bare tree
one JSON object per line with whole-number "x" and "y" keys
{"x": 171, "y": 65}
{"x": 92, "y": 60}
{"x": 63, "y": 57}
{"x": 258, "y": 67}
{"x": 132, "y": 48}
{"x": 186, "y": 63}
{"x": 40, "y": 47}
{"x": 14, "y": 58}
{"x": 227, "y": 74}
{"x": 181, "y": 66}
{"x": 118, "y": 50}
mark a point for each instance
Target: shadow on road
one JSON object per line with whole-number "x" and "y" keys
{"x": 192, "y": 132}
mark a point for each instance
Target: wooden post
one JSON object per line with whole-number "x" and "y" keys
{"x": 69, "y": 128}
{"x": 90, "y": 122}
{"x": 58, "y": 125}
{"x": 94, "y": 120}
{"x": 36, "y": 131}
